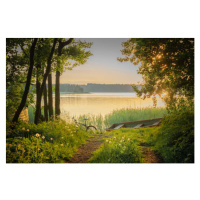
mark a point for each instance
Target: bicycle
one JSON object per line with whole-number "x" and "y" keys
{"x": 91, "y": 127}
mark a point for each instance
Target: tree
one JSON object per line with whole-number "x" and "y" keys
{"x": 167, "y": 66}
{"x": 28, "y": 81}
{"x": 71, "y": 53}
{"x": 48, "y": 69}
{"x": 62, "y": 44}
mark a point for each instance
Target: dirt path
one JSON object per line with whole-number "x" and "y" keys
{"x": 85, "y": 151}
{"x": 149, "y": 156}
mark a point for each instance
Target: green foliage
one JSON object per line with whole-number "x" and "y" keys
{"x": 167, "y": 66}
{"x": 50, "y": 142}
{"x": 16, "y": 71}
{"x": 175, "y": 142}
{"x": 121, "y": 148}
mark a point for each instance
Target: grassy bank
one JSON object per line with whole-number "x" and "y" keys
{"x": 52, "y": 142}
{"x": 173, "y": 141}
{"x": 124, "y": 146}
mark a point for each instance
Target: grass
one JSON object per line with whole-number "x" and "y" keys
{"x": 124, "y": 146}
{"x": 127, "y": 114}
{"x": 121, "y": 115}
{"x": 173, "y": 141}
{"x": 52, "y": 142}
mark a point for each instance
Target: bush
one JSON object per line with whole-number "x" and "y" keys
{"x": 175, "y": 142}
{"x": 47, "y": 142}
{"x": 121, "y": 148}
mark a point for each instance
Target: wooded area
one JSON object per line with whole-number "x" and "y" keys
{"x": 31, "y": 62}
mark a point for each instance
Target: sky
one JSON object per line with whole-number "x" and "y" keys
{"x": 103, "y": 67}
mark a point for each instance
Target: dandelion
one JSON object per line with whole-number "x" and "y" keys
{"x": 38, "y": 149}
{"x": 128, "y": 139}
{"x": 27, "y": 130}
{"x": 37, "y": 135}
{"x": 23, "y": 129}
{"x": 109, "y": 141}
{"x": 43, "y": 137}
{"x": 62, "y": 137}
{"x": 72, "y": 135}
{"x": 122, "y": 137}
{"x": 51, "y": 138}
{"x": 61, "y": 145}
{"x": 106, "y": 140}
{"x": 114, "y": 137}
{"x": 10, "y": 145}
{"x": 119, "y": 144}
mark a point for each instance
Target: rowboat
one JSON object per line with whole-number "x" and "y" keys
{"x": 136, "y": 124}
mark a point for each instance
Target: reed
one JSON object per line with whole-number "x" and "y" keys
{"x": 129, "y": 114}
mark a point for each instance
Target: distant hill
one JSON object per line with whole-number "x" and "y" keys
{"x": 92, "y": 87}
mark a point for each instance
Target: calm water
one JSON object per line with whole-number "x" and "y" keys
{"x": 101, "y": 103}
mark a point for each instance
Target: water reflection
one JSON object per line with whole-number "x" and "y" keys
{"x": 101, "y": 103}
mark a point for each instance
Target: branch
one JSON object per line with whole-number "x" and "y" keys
{"x": 63, "y": 44}
{"x": 23, "y": 50}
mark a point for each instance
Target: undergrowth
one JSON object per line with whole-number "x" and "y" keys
{"x": 48, "y": 142}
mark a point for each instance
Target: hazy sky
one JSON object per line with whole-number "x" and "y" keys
{"x": 103, "y": 66}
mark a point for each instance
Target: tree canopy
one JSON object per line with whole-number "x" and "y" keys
{"x": 167, "y": 66}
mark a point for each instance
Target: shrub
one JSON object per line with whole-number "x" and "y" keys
{"x": 175, "y": 142}
{"x": 49, "y": 142}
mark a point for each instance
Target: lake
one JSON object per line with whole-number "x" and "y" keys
{"x": 101, "y": 103}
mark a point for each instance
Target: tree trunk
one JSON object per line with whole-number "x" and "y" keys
{"x": 38, "y": 92}
{"x": 44, "y": 79}
{"x": 50, "y": 98}
{"x": 45, "y": 104}
{"x": 57, "y": 88}
{"x": 57, "y": 94}
{"x": 28, "y": 82}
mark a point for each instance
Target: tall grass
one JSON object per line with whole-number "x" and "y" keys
{"x": 122, "y": 115}
{"x": 129, "y": 114}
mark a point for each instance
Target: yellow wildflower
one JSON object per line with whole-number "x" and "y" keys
{"x": 37, "y": 135}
